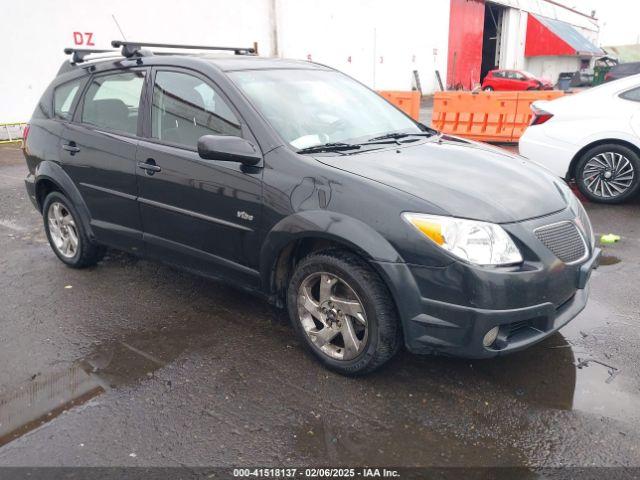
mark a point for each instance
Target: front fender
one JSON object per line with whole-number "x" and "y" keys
{"x": 51, "y": 171}
{"x": 325, "y": 225}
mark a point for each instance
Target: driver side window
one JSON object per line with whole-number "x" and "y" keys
{"x": 184, "y": 108}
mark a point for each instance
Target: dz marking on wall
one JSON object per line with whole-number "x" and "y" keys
{"x": 85, "y": 38}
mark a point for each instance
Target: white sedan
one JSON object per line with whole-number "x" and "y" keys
{"x": 592, "y": 137}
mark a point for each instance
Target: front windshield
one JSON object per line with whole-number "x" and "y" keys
{"x": 314, "y": 107}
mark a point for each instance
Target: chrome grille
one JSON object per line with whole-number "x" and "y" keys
{"x": 564, "y": 240}
{"x": 583, "y": 219}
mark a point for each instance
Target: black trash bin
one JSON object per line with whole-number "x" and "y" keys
{"x": 564, "y": 80}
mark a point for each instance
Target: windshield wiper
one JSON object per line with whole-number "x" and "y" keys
{"x": 341, "y": 146}
{"x": 397, "y": 136}
{"x": 329, "y": 147}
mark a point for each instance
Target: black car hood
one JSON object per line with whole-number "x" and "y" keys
{"x": 465, "y": 179}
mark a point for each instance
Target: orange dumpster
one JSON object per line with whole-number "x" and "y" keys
{"x": 486, "y": 116}
{"x": 523, "y": 111}
{"x": 408, "y": 102}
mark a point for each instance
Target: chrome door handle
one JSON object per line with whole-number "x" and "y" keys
{"x": 149, "y": 166}
{"x": 70, "y": 147}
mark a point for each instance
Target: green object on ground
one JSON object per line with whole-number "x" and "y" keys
{"x": 609, "y": 238}
{"x": 599, "y": 73}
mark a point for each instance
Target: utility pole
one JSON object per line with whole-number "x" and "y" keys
{"x": 273, "y": 19}
{"x": 375, "y": 53}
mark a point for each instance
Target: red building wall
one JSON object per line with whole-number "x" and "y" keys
{"x": 466, "y": 27}
{"x": 541, "y": 41}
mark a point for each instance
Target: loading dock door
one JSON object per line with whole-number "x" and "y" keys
{"x": 492, "y": 38}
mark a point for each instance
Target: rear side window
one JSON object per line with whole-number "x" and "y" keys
{"x": 63, "y": 96}
{"x": 112, "y": 101}
{"x": 498, "y": 74}
{"x": 184, "y": 108}
{"x": 633, "y": 95}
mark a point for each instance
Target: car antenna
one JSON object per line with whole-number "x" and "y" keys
{"x": 115, "y": 20}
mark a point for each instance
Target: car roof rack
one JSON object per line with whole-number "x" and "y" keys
{"x": 79, "y": 54}
{"x": 131, "y": 49}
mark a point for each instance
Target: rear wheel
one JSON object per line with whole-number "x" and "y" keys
{"x": 608, "y": 173}
{"x": 343, "y": 312}
{"x": 488, "y": 89}
{"x": 66, "y": 233}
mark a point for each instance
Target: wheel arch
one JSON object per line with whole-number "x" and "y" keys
{"x": 571, "y": 173}
{"x": 49, "y": 176}
{"x": 300, "y": 234}
{"x": 43, "y": 187}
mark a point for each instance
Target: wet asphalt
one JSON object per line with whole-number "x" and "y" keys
{"x": 134, "y": 363}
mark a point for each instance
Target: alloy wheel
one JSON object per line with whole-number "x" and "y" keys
{"x": 332, "y": 316}
{"x": 62, "y": 229}
{"x": 608, "y": 175}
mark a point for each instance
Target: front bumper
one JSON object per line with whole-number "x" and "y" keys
{"x": 449, "y": 309}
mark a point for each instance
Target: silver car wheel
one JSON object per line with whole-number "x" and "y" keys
{"x": 62, "y": 230}
{"x": 332, "y": 316}
{"x": 608, "y": 174}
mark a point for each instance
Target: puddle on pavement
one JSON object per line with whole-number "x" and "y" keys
{"x": 45, "y": 397}
{"x": 543, "y": 375}
{"x": 562, "y": 373}
{"x": 548, "y": 376}
{"x": 604, "y": 385}
{"x": 110, "y": 364}
{"x": 606, "y": 260}
{"x": 120, "y": 363}
{"x": 604, "y": 392}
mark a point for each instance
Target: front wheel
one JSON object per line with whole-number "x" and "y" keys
{"x": 343, "y": 312}
{"x": 66, "y": 233}
{"x": 608, "y": 173}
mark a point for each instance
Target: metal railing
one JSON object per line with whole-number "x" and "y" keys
{"x": 12, "y": 138}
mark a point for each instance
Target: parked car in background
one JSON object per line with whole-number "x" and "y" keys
{"x": 514, "y": 80}
{"x": 592, "y": 137}
{"x": 622, "y": 70}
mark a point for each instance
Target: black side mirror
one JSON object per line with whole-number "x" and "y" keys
{"x": 229, "y": 149}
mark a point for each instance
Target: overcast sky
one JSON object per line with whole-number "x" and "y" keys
{"x": 619, "y": 19}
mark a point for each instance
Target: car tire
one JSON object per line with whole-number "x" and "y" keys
{"x": 488, "y": 89}
{"x": 66, "y": 233}
{"x": 378, "y": 338}
{"x": 608, "y": 173}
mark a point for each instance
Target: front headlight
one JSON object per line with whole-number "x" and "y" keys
{"x": 481, "y": 243}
